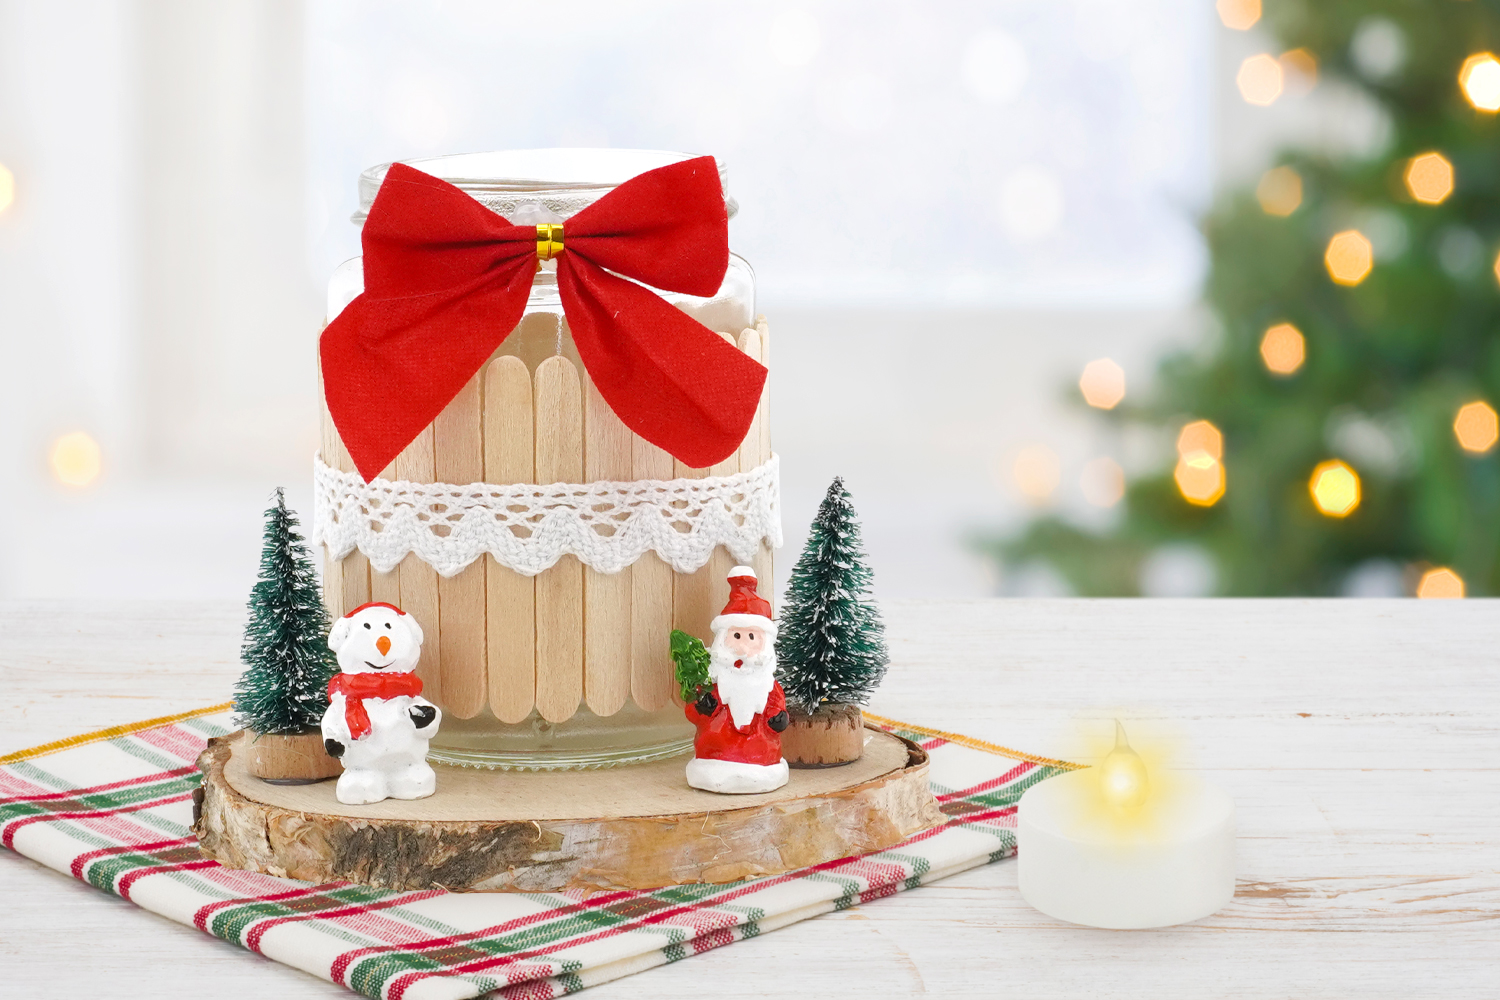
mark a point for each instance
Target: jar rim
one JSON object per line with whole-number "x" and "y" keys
{"x": 562, "y": 179}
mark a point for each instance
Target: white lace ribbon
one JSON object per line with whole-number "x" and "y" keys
{"x": 607, "y": 525}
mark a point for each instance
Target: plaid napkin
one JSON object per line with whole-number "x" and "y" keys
{"x": 113, "y": 808}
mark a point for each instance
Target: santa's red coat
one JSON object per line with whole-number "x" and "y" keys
{"x": 720, "y": 739}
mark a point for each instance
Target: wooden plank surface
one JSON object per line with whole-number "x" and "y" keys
{"x": 1360, "y": 740}
{"x": 606, "y": 596}
{"x": 510, "y": 598}
{"x": 559, "y": 590}
{"x": 458, "y": 458}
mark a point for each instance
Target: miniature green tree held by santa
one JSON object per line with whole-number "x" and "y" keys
{"x": 284, "y": 689}
{"x": 830, "y": 645}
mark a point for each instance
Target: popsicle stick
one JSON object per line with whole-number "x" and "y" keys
{"x": 386, "y": 587}
{"x": 559, "y": 590}
{"x": 720, "y": 563}
{"x": 458, "y": 458}
{"x": 606, "y": 596}
{"x": 510, "y": 598}
{"x": 651, "y": 682}
{"x": 354, "y": 567}
{"x": 419, "y": 581}
{"x": 328, "y": 451}
{"x": 693, "y": 593}
{"x": 755, "y": 452}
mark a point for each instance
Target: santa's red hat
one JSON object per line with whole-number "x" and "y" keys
{"x": 745, "y": 608}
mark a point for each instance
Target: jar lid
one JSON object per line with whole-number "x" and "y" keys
{"x": 527, "y": 181}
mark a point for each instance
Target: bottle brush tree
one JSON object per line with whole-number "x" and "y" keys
{"x": 284, "y": 688}
{"x": 830, "y": 647}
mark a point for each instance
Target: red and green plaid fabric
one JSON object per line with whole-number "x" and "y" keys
{"x": 113, "y": 809}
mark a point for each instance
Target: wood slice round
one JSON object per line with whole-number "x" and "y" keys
{"x": 634, "y": 827}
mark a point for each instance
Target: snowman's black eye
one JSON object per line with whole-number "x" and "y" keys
{"x": 387, "y": 624}
{"x": 367, "y": 624}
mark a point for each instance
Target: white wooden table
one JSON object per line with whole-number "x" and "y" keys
{"x": 1360, "y": 739}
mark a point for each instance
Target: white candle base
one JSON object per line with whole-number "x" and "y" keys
{"x": 1177, "y": 868}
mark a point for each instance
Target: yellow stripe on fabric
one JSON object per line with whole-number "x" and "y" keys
{"x": 972, "y": 743}
{"x": 111, "y": 733}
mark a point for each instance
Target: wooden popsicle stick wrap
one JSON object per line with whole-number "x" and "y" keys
{"x": 569, "y": 637}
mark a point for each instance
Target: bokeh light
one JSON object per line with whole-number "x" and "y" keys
{"x": 1334, "y": 488}
{"x": 1283, "y": 349}
{"x": 1299, "y": 69}
{"x": 1200, "y": 436}
{"x": 7, "y": 187}
{"x": 1349, "y": 257}
{"x": 1480, "y": 80}
{"x": 1240, "y": 15}
{"x": 1036, "y": 473}
{"x": 1477, "y": 427}
{"x": 1102, "y": 384}
{"x": 1260, "y": 79}
{"x": 1102, "y": 482}
{"x": 1200, "y": 467}
{"x": 1200, "y": 479}
{"x": 75, "y": 459}
{"x": 1429, "y": 178}
{"x": 1440, "y": 582}
{"x": 1279, "y": 191}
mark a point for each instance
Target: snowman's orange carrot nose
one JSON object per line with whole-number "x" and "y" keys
{"x": 383, "y": 644}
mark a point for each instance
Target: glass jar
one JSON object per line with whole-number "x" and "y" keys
{"x": 532, "y": 187}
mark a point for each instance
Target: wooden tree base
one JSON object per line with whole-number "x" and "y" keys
{"x": 294, "y": 758}
{"x": 634, "y": 827}
{"x": 833, "y": 735}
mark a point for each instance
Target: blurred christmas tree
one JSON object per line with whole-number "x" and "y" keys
{"x": 1343, "y": 425}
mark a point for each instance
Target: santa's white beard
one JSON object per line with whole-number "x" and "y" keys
{"x": 745, "y": 688}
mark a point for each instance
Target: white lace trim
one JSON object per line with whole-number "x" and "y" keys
{"x": 608, "y": 526}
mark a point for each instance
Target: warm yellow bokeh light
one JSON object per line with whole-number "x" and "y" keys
{"x": 7, "y": 187}
{"x": 1439, "y": 583}
{"x": 1102, "y": 384}
{"x": 1240, "y": 15}
{"x": 75, "y": 459}
{"x": 1283, "y": 349}
{"x": 1334, "y": 488}
{"x": 1036, "y": 473}
{"x": 1103, "y": 482}
{"x": 1477, "y": 427}
{"x": 1480, "y": 80}
{"x": 1200, "y": 479}
{"x": 1279, "y": 191}
{"x": 1260, "y": 79}
{"x": 1429, "y": 178}
{"x": 1300, "y": 69}
{"x": 1349, "y": 257}
{"x": 1200, "y": 436}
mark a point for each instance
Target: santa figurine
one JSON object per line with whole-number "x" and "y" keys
{"x": 741, "y": 714}
{"x": 378, "y": 723}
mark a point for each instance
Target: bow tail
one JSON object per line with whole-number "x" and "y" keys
{"x": 390, "y": 365}
{"x": 668, "y": 377}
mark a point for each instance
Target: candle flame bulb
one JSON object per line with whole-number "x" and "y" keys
{"x": 1122, "y": 774}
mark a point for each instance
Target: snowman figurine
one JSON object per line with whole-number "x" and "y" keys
{"x": 378, "y": 723}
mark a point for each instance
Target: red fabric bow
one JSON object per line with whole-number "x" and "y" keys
{"x": 446, "y": 280}
{"x": 357, "y": 687}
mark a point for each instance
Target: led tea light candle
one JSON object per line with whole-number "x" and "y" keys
{"x": 1118, "y": 845}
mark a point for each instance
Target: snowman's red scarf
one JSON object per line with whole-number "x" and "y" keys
{"x": 357, "y": 687}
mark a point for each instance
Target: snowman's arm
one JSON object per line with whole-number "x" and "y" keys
{"x": 335, "y": 727}
{"x": 424, "y": 715}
